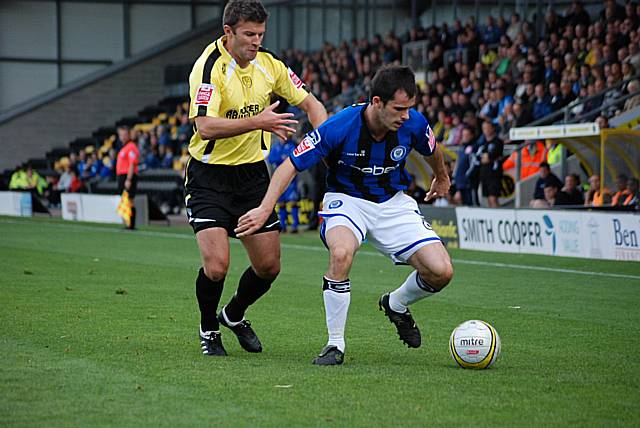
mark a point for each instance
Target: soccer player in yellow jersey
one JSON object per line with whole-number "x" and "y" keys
{"x": 231, "y": 85}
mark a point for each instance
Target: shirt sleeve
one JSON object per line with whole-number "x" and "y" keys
{"x": 424, "y": 137}
{"x": 313, "y": 147}
{"x": 205, "y": 92}
{"x": 288, "y": 84}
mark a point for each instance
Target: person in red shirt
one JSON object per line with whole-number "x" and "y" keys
{"x": 76, "y": 183}
{"x": 127, "y": 168}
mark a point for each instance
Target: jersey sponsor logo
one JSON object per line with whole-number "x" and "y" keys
{"x": 431, "y": 137}
{"x": 361, "y": 154}
{"x": 246, "y": 111}
{"x": 295, "y": 79}
{"x": 335, "y": 204}
{"x": 305, "y": 145}
{"x": 204, "y": 94}
{"x": 371, "y": 170}
{"x": 398, "y": 153}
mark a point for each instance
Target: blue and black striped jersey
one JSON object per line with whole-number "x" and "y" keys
{"x": 358, "y": 165}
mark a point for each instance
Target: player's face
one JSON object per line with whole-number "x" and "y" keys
{"x": 244, "y": 41}
{"x": 396, "y": 111}
{"x": 123, "y": 135}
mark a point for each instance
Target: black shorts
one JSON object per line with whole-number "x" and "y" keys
{"x": 490, "y": 185}
{"x": 217, "y": 195}
{"x": 132, "y": 189}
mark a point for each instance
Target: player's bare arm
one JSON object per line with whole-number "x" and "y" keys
{"x": 255, "y": 218}
{"x": 441, "y": 183}
{"x": 127, "y": 183}
{"x": 214, "y": 128}
{"x": 314, "y": 109}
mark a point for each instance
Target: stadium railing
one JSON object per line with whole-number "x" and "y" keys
{"x": 564, "y": 115}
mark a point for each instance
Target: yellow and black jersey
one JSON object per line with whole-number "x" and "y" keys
{"x": 220, "y": 88}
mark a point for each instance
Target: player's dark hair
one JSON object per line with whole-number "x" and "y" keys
{"x": 244, "y": 10}
{"x": 390, "y": 79}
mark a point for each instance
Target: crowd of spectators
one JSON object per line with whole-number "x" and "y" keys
{"x": 501, "y": 72}
{"x": 162, "y": 144}
{"x": 511, "y": 76}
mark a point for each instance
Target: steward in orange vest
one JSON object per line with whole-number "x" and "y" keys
{"x": 532, "y": 156}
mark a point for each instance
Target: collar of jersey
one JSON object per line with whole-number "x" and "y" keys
{"x": 367, "y": 131}
{"x": 222, "y": 49}
{"x": 233, "y": 64}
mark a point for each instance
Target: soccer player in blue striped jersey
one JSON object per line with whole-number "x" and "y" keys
{"x": 365, "y": 148}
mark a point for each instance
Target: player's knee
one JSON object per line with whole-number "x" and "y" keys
{"x": 438, "y": 275}
{"x": 215, "y": 271}
{"x": 341, "y": 256}
{"x": 268, "y": 270}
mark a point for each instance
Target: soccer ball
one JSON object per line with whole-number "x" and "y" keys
{"x": 474, "y": 344}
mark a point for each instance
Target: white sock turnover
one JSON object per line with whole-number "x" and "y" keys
{"x": 337, "y": 296}
{"x": 412, "y": 290}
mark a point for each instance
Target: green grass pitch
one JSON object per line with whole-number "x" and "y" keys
{"x": 98, "y": 327}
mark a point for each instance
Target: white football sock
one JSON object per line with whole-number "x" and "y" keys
{"x": 337, "y": 296}
{"x": 412, "y": 290}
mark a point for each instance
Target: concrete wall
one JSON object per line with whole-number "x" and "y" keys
{"x": 89, "y": 31}
{"x": 99, "y": 104}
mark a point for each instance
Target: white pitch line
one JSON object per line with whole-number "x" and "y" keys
{"x": 545, "y": 269}
{"x": 320, "y": 249}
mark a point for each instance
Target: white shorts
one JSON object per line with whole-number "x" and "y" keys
{"x": 395, "y": 227}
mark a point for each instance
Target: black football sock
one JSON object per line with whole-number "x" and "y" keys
{"x": 132, "y": 224}
{"x": 250, "y": 289}
{"x": 208, "y": 293}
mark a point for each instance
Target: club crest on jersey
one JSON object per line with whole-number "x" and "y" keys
{"x": 204, "y": 94}
{"x": 398, "y": 153}
{"x": 305, "y": 145}
{"x": 246, "y": 81}
{"x": 295, "y": 79}
{"x": 431, "y": 137}
{"x": 334, "y": 204}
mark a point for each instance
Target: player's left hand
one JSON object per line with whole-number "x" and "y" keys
{"x": 251, "y": 221}
{"x": 439, "y": 188}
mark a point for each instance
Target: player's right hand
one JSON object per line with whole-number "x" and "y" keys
{"x": 277, "y": 123}
{"x": 251, "y": 221}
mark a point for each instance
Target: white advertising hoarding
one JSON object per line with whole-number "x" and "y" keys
{"x": 85, "y": 207}
{"x": 16, "y": 204}
{"x": 615, "y": 235}
{"x": 563, "y": 233}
